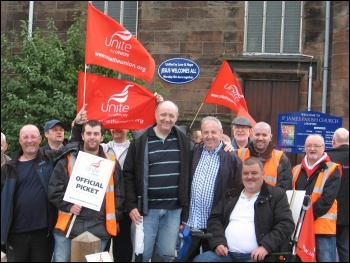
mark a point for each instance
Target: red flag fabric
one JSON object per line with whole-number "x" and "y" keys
{"x": 226, "y": 90}
{"x": 110, "y": 45}
{"x": 116, "y": 103}
{"x": 306, "y": 245}
{"x": 243, "y": 113}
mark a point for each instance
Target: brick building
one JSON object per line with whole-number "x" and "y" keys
{"x": 243, "y": 33}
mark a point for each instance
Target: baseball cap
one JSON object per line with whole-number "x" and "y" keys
{"x": 50, "y": 124}
{"x": 242, "y": 121}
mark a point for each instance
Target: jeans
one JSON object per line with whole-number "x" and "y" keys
{"x": 62, "y": 251}
{"x": 161, "y": 229}
{"x": 32, "y": 246}
{"x": 211, "y": 256}
{"x": 325, "y": 249}
{"x": 343, "y": 242}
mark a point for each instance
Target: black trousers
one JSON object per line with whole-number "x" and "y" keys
{"x": 33, "y": 246}
{"x": 122, "y": 246}
{"x": 343, "y": 242}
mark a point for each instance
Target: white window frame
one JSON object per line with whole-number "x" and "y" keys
{"x": 119, "y": 17}
{"x": 263, "y": 29}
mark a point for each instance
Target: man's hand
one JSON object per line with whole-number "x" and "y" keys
{"x": 81, "y": 117}
{"x": 228, "y": 147}
{"x": 135, "y": 216}
{"x": 221, "y": 250}
{"x": 259, "y": 253}
{"x": 159, "y": 97}
{"x": 75, "y": 209}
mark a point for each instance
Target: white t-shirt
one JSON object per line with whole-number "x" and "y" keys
{"x": 240, "y": 232}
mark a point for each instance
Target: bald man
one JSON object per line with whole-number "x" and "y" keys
{"x": 340, "y": 154}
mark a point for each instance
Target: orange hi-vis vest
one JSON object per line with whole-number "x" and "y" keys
{"x": 270, "y": 166}
{"x": 325, "y": 224}
{"x": 111, "y": 222}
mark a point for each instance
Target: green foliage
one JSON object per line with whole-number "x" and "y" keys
{"x": 39, "y": 77}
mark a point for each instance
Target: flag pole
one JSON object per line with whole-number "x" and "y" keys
{"x": 196, "y": 115}
{"x": 84, "y": 85}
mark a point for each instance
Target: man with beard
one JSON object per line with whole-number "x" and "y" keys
{"x": 104, "y": 223}
{"x": 277, "y": 167}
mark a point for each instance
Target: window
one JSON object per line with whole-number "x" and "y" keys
{"x": 272, "y": 27}
{"x": 125, "y": 12}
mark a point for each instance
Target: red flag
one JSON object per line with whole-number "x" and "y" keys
{"x": 116, "y": 103}
{"x": 243, "y": 113}
{"x": 110, "y": 45}
{"x": 306, "y": 245}
{"x": 226, "y": 90}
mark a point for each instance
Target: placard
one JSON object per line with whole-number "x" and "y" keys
{"x": 99, "y": 257}
{"x": 88, "y": 181}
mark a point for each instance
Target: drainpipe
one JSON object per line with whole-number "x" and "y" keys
{"x": 310, "y": 89}
{"x": 30, "y": 20}
{"x": 326, "y": 57}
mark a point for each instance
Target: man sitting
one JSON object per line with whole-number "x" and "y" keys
{"x": 250, "y": 221}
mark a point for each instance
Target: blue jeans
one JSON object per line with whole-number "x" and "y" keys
{"x": 62, "y": 250}
{"x": 161, "y": 229}
{"x": 325, "y": 249}
{"x": 211, "y": 256}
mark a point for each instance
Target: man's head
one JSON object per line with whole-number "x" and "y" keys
{"x": 29, "y": 139}
{"x": 314, "y": 148}
{"x": 252, "y": 175}
{"x": 4, "y": 145}
{"x": 340, "y": 137}
{"x": 197, "y": 136}
{"x": 54, "y": 131}
{"x": 92, "y": 135}
{"x": 241, "y": 128}
{"x": 211, "y": 129}
{"x": 119, "y": 135}
{"x": 166, "y": 115}
{"x": 261, "y": 136}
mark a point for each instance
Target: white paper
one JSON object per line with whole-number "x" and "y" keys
{"x": 88, "y": 181}
{"x": 295, "y": 199}
{"x": 99, "y": 257}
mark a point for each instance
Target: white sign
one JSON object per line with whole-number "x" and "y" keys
{"x": 88, "y": 181}
{"x": 99, "y": 257}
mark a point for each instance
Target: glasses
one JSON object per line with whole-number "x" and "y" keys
{"x": 309, "y": 146}
{"x": 32, "y": 137}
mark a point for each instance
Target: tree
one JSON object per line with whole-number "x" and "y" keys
{"x": 39, "y": 77}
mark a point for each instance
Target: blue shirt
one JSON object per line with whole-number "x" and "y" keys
{"x": 202, "y": 188}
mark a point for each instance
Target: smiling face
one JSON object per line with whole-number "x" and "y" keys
{"x": 92, "y": 137}
{"x": 211, "y": 133}
{"x": 29, "y": 139}
{"x": 166, "y": 116}
{"x": 261, "y": 136}
{"x": 314, "y": 148}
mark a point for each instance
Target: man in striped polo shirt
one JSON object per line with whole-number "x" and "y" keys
{"x": 157, "y": 168}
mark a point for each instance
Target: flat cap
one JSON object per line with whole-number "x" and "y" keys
{"x": 242, "y": 121}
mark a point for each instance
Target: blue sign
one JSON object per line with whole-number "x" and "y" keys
{"x": 294, "y": 127}
{"x": 178, "y": 70}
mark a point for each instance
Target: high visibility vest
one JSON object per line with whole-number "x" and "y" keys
{"x": 325, "y": 224}
{"x": 270, "y": 166}
{"x": 111, "y": 221}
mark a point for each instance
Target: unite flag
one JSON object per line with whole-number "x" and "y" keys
{"x": 116, "y": 103}
{"x": 110, "y": 45}
{"x": 226, "y": 90}
{"x": 306, "y": 245}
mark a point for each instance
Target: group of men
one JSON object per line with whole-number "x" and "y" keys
{"x": 234, "y": 191}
